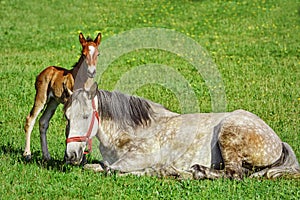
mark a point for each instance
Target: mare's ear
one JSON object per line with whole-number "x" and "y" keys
{"x": 82, "y": 39}
{"x": 93, "y": 90}
{"x": 98, "y": 39}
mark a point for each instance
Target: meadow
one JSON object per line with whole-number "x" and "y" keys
{"x": 255, "y": 46}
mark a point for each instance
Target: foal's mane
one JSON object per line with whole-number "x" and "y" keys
{"x": 124, "y": 109}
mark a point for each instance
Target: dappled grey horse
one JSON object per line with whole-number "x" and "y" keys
{"x": 141, "y": 137}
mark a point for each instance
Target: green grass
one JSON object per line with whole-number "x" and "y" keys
{"x": 255, "y": 45}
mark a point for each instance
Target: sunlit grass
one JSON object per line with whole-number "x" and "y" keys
{"x": 255, "y": 45}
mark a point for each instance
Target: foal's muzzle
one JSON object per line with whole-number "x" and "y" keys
{"x": 91, "y": 72}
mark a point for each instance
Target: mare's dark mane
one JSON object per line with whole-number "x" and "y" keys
{"x": 124, "y": 109}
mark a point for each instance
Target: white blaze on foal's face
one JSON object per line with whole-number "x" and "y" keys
{"x": 92, "y": 50}
{"x": 92, "y": 60}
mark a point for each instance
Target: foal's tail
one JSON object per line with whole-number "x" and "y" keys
{"x": 288, "y": 168}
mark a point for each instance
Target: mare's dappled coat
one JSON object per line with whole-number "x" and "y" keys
{"x": 138, "y": 136}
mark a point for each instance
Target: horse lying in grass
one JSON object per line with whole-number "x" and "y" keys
{"x": 50, "y": 91}
{"x": 140, "y": 137}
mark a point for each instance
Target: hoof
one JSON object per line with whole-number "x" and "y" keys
{"x": 198, "y": 172}
{"x": 27, "y": 158}
{"x": 46, "y": 158}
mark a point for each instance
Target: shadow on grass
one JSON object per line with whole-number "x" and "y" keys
{"x": 36, "y": 159}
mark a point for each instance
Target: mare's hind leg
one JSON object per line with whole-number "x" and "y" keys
{"x": 230, "y": 142}
{"x": 287, "y": 166}
{"x": 201, "y": 172}
{"x": 233, "y": 143}
{"x": 232, "y": 171}
{"x": 44, "y": 124}
{"x": 39, "y": 103}
{"x": 247, "y": 142}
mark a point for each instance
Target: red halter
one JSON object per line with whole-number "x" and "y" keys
{"x": 87, "y": 138}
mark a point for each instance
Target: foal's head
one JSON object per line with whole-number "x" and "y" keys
{"x": 90, "y": 52}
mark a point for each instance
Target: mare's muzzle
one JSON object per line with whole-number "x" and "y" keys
{"x": 74, "y": 157}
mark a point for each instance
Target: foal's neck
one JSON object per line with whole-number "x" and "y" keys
{"x": 77, "y": 66}
{"x": 88, "y": 83}
{"x": 81, "y": 79}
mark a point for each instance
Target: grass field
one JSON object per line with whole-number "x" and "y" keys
{"x": 254, "y": 44}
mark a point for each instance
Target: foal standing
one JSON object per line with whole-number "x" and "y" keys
{"x": 51, "y": 85}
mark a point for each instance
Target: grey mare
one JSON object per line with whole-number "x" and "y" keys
{"x": 141, "y": 137}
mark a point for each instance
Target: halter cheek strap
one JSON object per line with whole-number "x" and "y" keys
{"x": 86, "y": 137}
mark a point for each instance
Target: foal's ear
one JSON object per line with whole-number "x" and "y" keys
{"x": 82, "y": 39}
{"x": 98, "y": 39}
{"x": 93, "y": 90}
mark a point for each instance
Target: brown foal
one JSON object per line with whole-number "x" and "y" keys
{"x": 51, "y": 85}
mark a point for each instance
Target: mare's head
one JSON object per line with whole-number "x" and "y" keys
{"x": 90, "y": 52}
{"x": 83, "y": 122}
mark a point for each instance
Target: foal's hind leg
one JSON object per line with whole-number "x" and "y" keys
{"x": 44, "y": 124}
{"x": 39, "y": 103}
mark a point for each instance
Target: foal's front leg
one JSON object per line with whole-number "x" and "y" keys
{"x": 44, "y": 124}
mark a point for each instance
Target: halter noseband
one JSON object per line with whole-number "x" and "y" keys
{"x": 86, "y": 137}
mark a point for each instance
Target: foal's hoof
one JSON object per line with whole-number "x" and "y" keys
{"x": 27, "y": 158}
{"x": 46, "y": 157}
